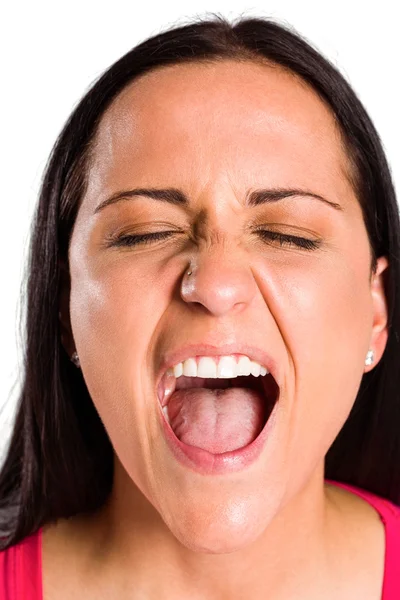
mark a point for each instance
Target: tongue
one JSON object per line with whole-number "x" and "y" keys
{"x": 216, "y": 420}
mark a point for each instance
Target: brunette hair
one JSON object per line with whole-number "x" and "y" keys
{"x": 59, "y": 461}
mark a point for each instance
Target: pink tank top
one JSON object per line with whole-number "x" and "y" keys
{"x": 21, "y": 565}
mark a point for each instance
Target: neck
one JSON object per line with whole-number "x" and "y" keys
{"x": 134, "y": 543}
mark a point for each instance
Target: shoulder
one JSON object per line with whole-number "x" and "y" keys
{"x": 20, "y": 569}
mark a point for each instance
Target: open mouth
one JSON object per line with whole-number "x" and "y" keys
{"x": 218, "y": 415}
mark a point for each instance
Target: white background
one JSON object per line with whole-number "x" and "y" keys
{"x": 52, "y": 51}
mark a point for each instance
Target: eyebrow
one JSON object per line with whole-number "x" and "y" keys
{"x": 178, "y": 198}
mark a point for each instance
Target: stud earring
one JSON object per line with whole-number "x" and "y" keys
{"x": 75, "y": 359}
{"x": 370, "y": 358}
{"x": 189, "y": 272}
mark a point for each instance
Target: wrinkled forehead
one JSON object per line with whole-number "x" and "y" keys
{"x": 206, "y": 119}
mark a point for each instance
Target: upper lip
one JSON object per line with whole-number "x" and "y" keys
{"x": 174, "y": 357}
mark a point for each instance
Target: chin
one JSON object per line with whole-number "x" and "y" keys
{"x": 229, "y": 529}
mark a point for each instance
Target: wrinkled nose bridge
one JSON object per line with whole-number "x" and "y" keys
{"x": 216, "y": 240}
{"x": 217, "y": 230}
{"x": 220, "y": 243}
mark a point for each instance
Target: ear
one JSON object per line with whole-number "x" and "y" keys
{"x": 63, "y": 309}
{"x": 379, "y": 334}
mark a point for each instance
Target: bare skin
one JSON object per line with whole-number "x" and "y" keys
{"x": 274, "y": 530}
{"x": 79, "y": 554}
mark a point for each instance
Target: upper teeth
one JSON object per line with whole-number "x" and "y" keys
{"x": 224, "y": 367}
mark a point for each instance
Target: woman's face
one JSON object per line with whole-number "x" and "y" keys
{"x": 218, "y": 132}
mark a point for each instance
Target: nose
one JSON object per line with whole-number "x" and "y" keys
{"x": 220, "y": 282}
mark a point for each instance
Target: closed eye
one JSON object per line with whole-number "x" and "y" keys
{"x": 283, "y": 239}
{"x": 143, "y": 238}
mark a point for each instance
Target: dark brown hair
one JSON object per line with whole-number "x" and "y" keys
{"x": 60, "y": 459}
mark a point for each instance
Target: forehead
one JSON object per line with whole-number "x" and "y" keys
{"x": 224, "y": 119}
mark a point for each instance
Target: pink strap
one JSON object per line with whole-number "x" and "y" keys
{"x": 21, "y": 570}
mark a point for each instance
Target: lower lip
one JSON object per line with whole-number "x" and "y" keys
{"x": 206, "y": 463}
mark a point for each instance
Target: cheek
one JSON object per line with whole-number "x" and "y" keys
{"x": 113, "y": 310}
{"x": 325, "y": 321}
{"x": 114, "y": 319}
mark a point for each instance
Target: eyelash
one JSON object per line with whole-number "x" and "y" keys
{"x": 284, "y": 239}
{"x": 147, "y": 238}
